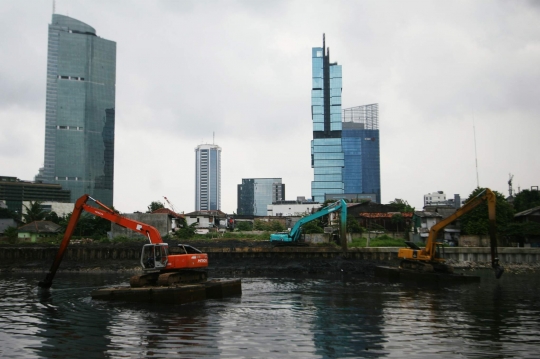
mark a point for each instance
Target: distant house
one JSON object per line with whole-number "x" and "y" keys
{"x": 31, "y": 232}
{"x": 528, "y": 216}
{"x": 372, "y": 215}
{"x": 163, "y": 219}
{"x": 210, "y": 220}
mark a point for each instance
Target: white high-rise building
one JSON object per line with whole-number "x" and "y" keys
{"x": 207, "y": 177}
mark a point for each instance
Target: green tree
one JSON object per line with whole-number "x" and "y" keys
{"x": 353, "y": 226}
{"x": 526, "y": 199}
{"x": 397, "y": 219}
{"x": 155, "y": 205}
{"x": 312, "y": 227}
{"x": 53, "y": 217}
{"x": 185, "y": 231}
{"x": 34, "y": 213}
{"x": 11, "y": 233}
{"x": 401, "y": 205}
{"x": 477, "y": 221}
{"x": 244, "y": 226}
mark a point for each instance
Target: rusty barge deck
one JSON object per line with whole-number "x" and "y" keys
{"x": 181, "y": 294}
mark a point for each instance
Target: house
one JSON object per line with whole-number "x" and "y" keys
{"x": 372, "y": 216}
{"x": 531, "y": 217}
{"x": 31, "y": 232}
{"x": 163, "y": 219}
{"x": 207, "y": 220}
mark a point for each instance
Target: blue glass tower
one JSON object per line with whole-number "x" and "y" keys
{"x": 360, "y": 140}
{"x": 255, "y": 194}
{"x": 327, "y": 159}
{"x": 79, "y": 115}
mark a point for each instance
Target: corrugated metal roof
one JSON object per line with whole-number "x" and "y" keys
{"x": 40, "y": 227}
{"x": 527, "y": 212}
{"x": 384, "y": 215}
{"x": 168, "y": 211}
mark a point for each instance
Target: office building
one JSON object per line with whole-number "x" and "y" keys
{"x": 360, "y": 141}
{"x": 207, "y": 177}
{"x": 13, "y": 192}
{"x": 255, "y": 194}
{"x": 327, "y": 158}
{"x": 80, "y": 110}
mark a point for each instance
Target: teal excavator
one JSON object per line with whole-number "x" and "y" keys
{"x": 294, "y": 237}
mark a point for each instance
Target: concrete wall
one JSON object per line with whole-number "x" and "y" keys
{"x": 161, "y": 221}
{"x": 21, "y": 255}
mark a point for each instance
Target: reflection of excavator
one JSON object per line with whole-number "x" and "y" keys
{"x": 427, "y": 259}
{"x": 294, "y": 236}
{"x": 159, "y": 266}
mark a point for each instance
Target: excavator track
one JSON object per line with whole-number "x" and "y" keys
{"x": 168, "y": 279}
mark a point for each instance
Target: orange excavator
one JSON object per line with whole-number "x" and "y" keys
{"x": 159, "y": 267}
{"x": 428, "y": 259}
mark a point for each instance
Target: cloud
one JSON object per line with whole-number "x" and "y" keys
{"x": 242, "y": 70}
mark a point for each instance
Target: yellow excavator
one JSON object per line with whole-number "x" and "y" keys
{"x": 427, "y": 259}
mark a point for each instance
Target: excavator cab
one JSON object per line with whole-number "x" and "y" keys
{"x": 154, "y": 256}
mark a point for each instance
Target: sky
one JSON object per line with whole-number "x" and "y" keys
{"x": 457, "y": 83}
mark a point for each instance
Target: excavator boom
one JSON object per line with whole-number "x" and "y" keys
{"x": 155, "y": 256}
{"x": 427, "y": 255}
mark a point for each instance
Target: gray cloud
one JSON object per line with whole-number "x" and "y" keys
{"x": 242, "y": 69}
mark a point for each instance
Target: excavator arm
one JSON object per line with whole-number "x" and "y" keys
{"x": 296, "y": 231}
{"x": 428, "y": 253}
{"x": 105, "y": 212}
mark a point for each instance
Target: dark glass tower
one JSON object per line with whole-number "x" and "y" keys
{"x": 80, "y": 115}
{"x": 327, "y": 158}
{"x": 255, "y": 194}
{"x": 360, "y": 139}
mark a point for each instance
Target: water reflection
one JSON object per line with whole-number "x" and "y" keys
{"x": 280, "y": 317}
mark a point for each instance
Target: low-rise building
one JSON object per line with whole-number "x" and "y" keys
{"x": 31, "y": 232}
{"x": 207, "y": 221}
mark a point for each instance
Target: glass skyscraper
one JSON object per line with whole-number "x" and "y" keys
{"x": 255, "y": 194}
{"x": 360, "y": 140}
{"x": 80, "y": 115}
{"x": 327, "y": 159}
{"x": 207, "y": 177}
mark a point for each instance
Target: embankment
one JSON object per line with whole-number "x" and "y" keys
{"x": 251, "y": 258}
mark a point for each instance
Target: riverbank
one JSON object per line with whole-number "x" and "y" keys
{"x": 237, "y": 258}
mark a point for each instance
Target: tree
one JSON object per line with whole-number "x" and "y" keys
{"x": 477, "y": 220}
{"x": 34, "y": 213}
{"x": 244, "y": 226}
{"x": 397, "y": 219}
{"x": 53, "y": 217}
{"x": 155, "y": 206}
{"x": 353, "y": 226}
{"x": 312, "y": 227}
{"x": 401, "y": 205}
{"x": 526, "y": 199}
{"x": 185, "y": 231}
{"x": 11, "y": 233}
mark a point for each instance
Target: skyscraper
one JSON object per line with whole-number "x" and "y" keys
{"x": 255, "y": 194}
{"x": 360, "y": 140}
{"x": 327, "y": 158}
{"x": 80, "y": 115}
{"x": 207, "y": 177}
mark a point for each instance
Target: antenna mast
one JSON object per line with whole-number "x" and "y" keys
{"x": 475, "y": 155}
{"x": 510, "y": 184}
{"x": 54, "y": 6}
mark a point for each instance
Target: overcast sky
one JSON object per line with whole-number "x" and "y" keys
{"x": 242, "y": 70}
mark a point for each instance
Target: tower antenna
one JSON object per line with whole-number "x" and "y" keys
{"x": 54, "y": 6}
{"x": 475, "y": 155}
{"x": 213, "y": 138}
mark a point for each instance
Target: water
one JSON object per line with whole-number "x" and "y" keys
{"x": 275, "y": 318}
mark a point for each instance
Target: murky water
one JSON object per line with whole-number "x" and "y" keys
{"x": 275, "y": 318}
